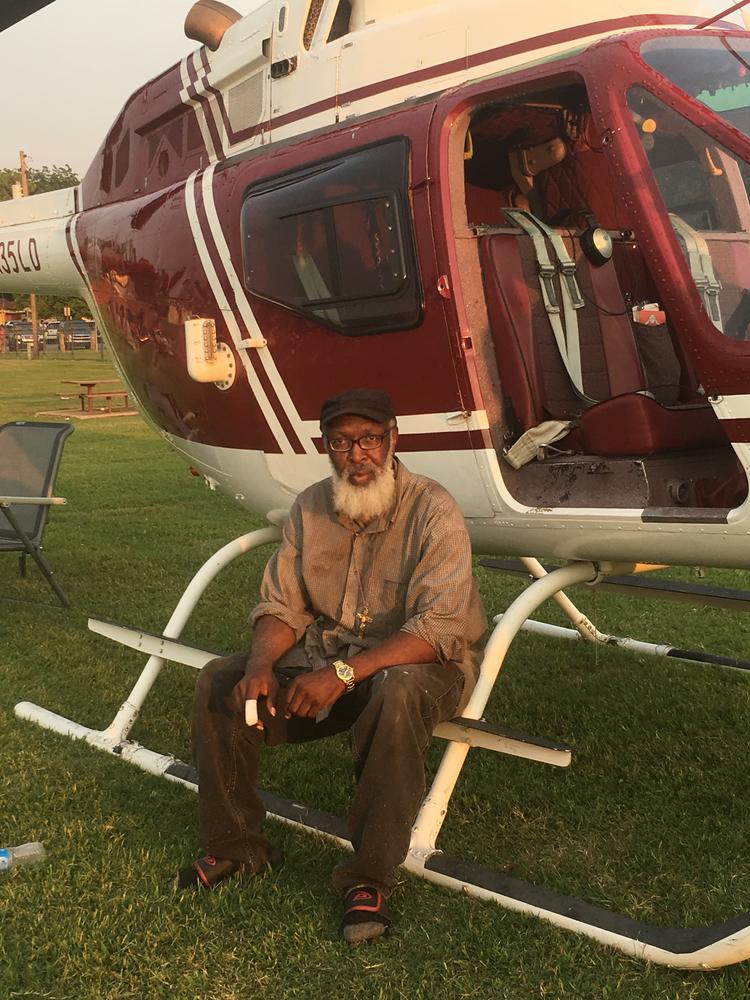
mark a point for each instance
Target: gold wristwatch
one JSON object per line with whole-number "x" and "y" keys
{"x": 345, "y": 674}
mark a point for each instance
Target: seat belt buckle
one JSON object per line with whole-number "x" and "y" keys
{"x": 711, "y": 300}
{"x": 547, "y": 273}
{"x": 568, "y": 272}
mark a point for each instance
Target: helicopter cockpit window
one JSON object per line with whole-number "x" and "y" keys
{"x": 705, "y": 190}
{"x": 714, "y": 70}
{"x": 334, "y": 242}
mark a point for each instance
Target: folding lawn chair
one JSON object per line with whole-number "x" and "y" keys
{"x": 30, "y": 455}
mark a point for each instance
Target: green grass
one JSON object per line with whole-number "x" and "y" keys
{"x": 652, "y": 818}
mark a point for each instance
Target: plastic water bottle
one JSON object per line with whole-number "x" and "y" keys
{"x": 26, "y": 854}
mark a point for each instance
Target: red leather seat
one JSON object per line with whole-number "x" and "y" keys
{"x": 635, "y": 424}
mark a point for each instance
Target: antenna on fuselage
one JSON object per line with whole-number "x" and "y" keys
{"x": 207, "y": 20}
{"x": 729, "y": 10}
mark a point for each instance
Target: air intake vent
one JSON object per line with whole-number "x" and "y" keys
{"x": 313, "y": 16}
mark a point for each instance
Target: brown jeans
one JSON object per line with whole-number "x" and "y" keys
{"x": 390, "y": 718}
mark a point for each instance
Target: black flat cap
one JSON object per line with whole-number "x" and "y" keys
{"x": 371, "y": 403}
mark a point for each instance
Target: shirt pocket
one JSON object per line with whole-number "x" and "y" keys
{"x": 393, "y": 602}
{"x": 324, "y": 575}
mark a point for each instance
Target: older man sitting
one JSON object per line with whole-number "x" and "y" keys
{"x": 369, "y": 621}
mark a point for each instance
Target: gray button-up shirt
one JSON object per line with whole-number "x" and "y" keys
{"x": 410, "y": 569}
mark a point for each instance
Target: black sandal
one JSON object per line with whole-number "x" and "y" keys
{"x": 365, "y": 914}
{"x": 208, "y": 872}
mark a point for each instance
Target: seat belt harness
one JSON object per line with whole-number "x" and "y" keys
{"x": 701, "y": 268}
{"x": 566, "y": 336}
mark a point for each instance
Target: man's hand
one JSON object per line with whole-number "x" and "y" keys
{"x": 311, "y": 692}
{"x": 271, "y": 639}
{"x": 257, "y": 683}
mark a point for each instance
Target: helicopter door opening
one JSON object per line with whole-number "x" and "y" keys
{"x": 599, "y": 404}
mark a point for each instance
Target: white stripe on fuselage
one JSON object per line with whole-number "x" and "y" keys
{"x": 430, "y": 423}
{"x": 229, "y": 317}
{"x": 248, "y": 317}
{"x": 200, "y": 108}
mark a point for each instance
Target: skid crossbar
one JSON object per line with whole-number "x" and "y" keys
{"x": 687, "y": 948}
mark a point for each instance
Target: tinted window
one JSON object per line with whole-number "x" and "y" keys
{"x": 334, "y": 242}
{"x": 712, "y": 69}
{"x": 706, "y": 190}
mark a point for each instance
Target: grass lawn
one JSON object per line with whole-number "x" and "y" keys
{"x": 651, "y": 820}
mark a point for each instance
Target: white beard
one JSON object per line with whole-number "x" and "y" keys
{"x": 365, "y": 503}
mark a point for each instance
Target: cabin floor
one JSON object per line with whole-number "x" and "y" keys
{"x": 678, "y": 479}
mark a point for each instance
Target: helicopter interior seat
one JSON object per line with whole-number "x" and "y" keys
{"x": 526, "y": 158}
{"x": 608, "y": 409}
{"x": 486, "y": 206}
{"x": 504, "y": 145}
{"x": 529, "y": 359}
{"x": 528, "y": 354}
{"x": 578, "y": 192}
{"x": 544, "y": 181}
{"x": 580, "y": 185}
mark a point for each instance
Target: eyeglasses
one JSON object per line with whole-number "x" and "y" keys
{"x": 368, "y": 442}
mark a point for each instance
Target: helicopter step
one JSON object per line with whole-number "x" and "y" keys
{"x": 478, "y": 733}
{"x": 473, "y": 732}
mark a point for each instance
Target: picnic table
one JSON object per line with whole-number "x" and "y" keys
{"x": 91, "y": 393}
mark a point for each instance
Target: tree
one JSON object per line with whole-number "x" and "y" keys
{"x": 53, "y": 306}
{"x": 40, "y": 179}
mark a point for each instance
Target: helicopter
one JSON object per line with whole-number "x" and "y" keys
{"x": 558, "y": 247}
{"x": 531, "y": 227}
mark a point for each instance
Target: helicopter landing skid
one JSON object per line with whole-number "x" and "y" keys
{"x": 705, "y": 948}
{"x": 586, "y": 631}
{"x": 687, "y": 948}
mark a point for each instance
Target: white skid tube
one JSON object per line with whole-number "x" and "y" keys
{"x": 113, "y": 738}
{"x": 125, "y": 719}
{"x": 636, "y": 645}
{"x": 703, "y": 948}
{"x": 584, "y": 628}
{"x": 697, "y": 948}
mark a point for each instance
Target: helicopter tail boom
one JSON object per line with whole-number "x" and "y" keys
{"x": 37, "y": 246}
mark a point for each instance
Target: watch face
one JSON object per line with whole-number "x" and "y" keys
{"x": 343, "y": 671}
